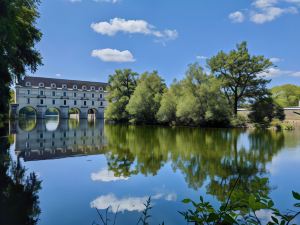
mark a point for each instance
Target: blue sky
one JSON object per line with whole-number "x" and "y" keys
{"x": 89, "y": 39}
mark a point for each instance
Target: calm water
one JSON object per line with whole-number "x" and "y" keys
{"x": 85, "y": 165}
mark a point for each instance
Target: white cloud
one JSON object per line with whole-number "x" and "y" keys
{"x": 263, "y": 11}
{"x": 73, "y": 1}
{"x": 237, "y": 17}
{"x": 295, "y": 74}
{"x": 113, "y": 55}
{"x": 105, "y": 175}
{"x": 201, "y": 57}
{"x": 127, "y": 204}
{"x": 275, "y": 60}
{"x": 271, "y": 13}
{"x": 116, "y": 25}
{"x": 275, "y": 72}
{"x": 108, "y": 1}
{"x": 58, "y": 75}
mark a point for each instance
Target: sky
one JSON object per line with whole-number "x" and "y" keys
{"x": 90, "y": 39}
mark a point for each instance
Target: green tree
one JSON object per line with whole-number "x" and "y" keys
{"x": 145, "y": 101}
{"x": 286, "y": 95}
{"x": 264, "y": 110}
{"x": 240, "y": 74}
{"x": 169, "y": 101}
{"x": 18, "y": 36}
{"x": 121, "y": 86}
{"x": 201, "y": 101}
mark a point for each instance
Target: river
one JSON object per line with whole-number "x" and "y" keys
{"x": 84, "y": 165}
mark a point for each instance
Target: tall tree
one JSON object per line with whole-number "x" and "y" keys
{"x": 241, "y": 74}
{"x": 18, "y": 36}
{"x": 121, "y": 86}
{"x": 145, "y": 101}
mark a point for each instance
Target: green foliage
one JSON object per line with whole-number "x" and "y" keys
{"x": 196, "y": 100}
{"x": 145, "y": 101}
{"x": 264, "y": 110}
{"x": 239, "y": 73}
{"x": 121, "y": 86}
{"x": 286, "y": 95}
{"x": 231, "y": 212}
{"x": 168, "y": 104}
{"x": 18, "y": 36}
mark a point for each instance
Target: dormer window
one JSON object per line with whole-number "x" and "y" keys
{"x": 41, "y": 84}
{"x": 92, "y": 88}
{"x": 83, "y": 87}
{"x": 53, "y": 85}
{"x": 100, "y": 88}
{"x": 28, "y": 84}
{"x": 64, "y": 86}
{"x": 74, "y": 86}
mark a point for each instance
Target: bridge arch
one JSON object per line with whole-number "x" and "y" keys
{"x": 27, "y": 118}
{"x": 52, "y": 111}
{"x": 92, "y": 113}
{"x": 74, "y": 113}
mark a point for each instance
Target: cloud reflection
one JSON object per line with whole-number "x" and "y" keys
{"x": 127, "y": 204}
{"x": 105, "y": 175}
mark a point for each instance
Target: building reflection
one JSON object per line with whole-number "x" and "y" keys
{"x": 53, "y": 138}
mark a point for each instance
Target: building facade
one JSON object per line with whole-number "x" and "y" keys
{"x": 42, "y": 94}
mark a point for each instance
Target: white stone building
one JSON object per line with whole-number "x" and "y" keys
{"x": 42, "y": 94}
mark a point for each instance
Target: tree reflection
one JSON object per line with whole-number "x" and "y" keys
{"x": 217, "y": 155}
{"x": 19, "y": 201}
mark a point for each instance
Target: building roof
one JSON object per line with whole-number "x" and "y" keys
{"x": 35, "y": 81}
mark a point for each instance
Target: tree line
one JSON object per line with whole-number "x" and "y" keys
{"x": 200, "y": 98}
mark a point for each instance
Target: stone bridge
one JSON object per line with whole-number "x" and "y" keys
{"x": 45, "y": 95}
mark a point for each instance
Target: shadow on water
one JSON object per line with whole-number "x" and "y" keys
{"x": 19, "y": 201}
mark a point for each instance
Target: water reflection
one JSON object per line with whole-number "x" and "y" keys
{"x": 54, "y": 138}
{"x": 206, "y": 158}
{"x": 19, "y": 201}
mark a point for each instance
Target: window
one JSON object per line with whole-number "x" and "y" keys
{"x": 65, "y": 94}
{"x": 53, "y": 93}
{"x": 84, "y": 103}
{"x": 75, "y": 102}
{"x": 74, "y": 86}
{"x": 28, "y": 84}
{"x": 75, "y": 94}
{"x": 93, "y": 103}
{"x": 84, "y": 95}
{"x": 42, "y": 101}
{"x": 53, "y": 85}
{"x": 101, "y": 103}
{"x": 41, "y": 84}
{"x": 53, "y": 102}
{"x": 28, "y": 92}
{"x": 64, "y": 86}
{"x": 92, "y": 88}
{"x": 83, "y": 87}
{"x": 41, "y": 144}
{"x": 41, "y": 135}
{"x": 41, "y": 92}
{"x": 53, "y": 135}
{"x": 28, "y": 100}
{"x": 100, "y": 95}
{"x": 93, "y": 95}
{"x": 65, "y": 102}
{"x": 100, "y": 88}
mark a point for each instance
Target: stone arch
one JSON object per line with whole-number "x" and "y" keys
{"x": 52, "y": 111}
{"x": 27, "y": 118}
{"x": 92, "y": 113}
{"x": 74, "y": 113}
{"x": 27, "y": 111}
